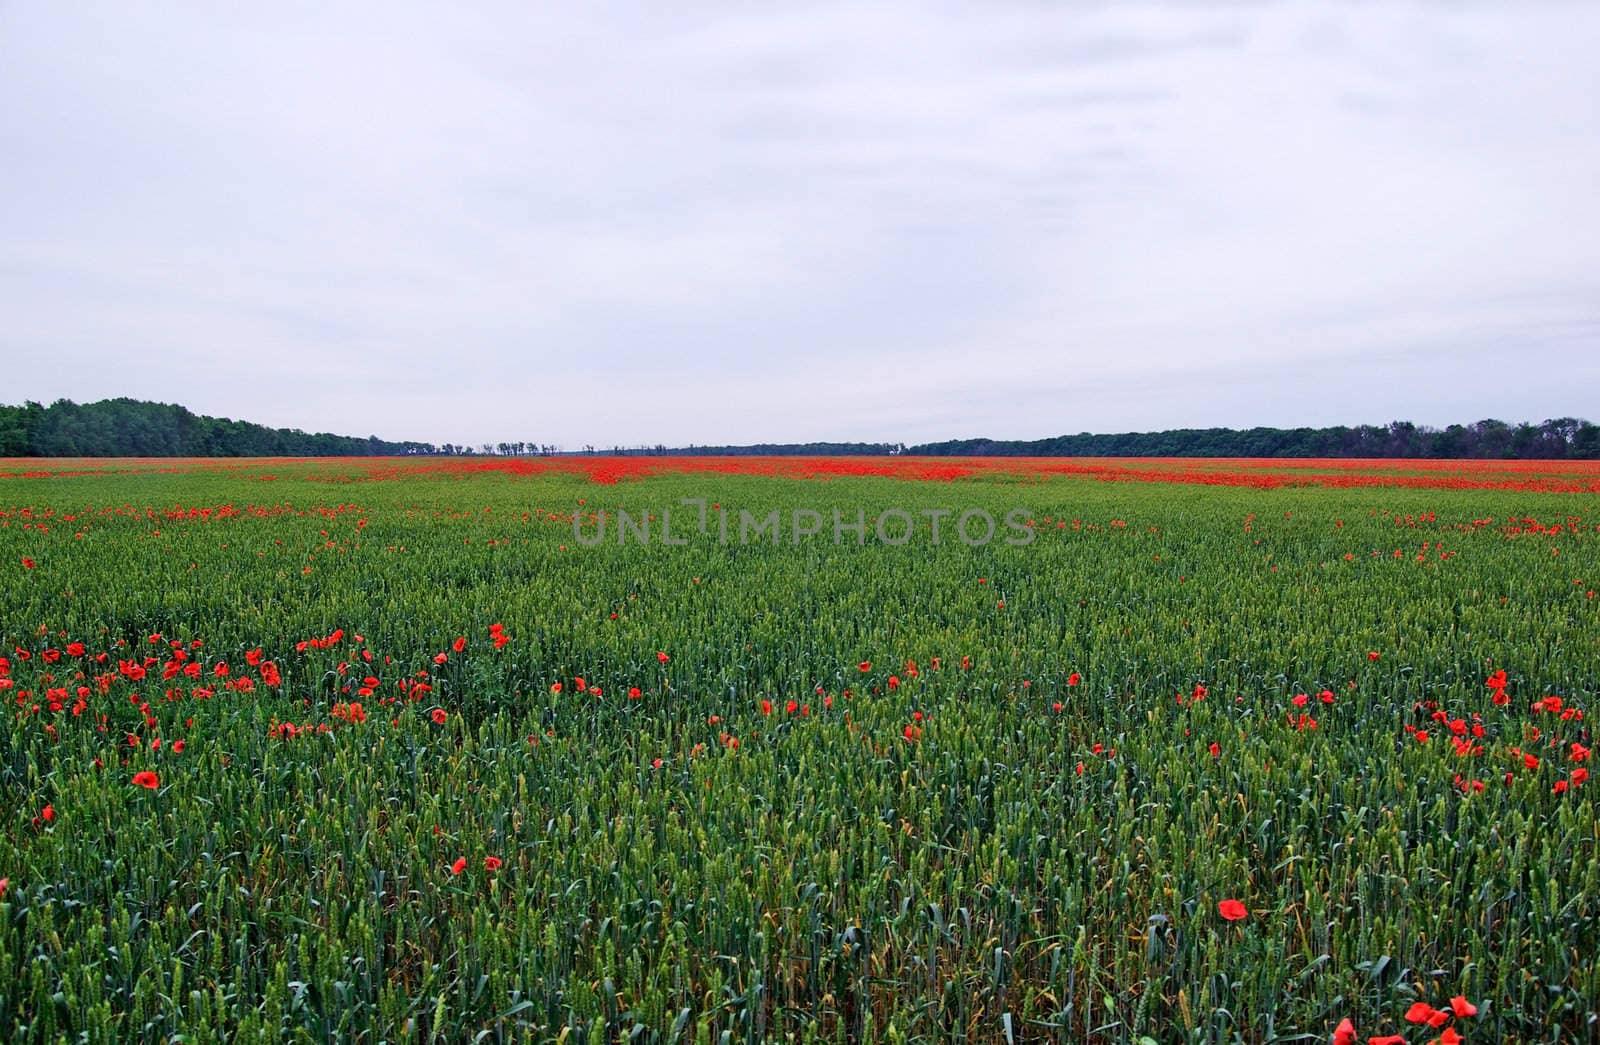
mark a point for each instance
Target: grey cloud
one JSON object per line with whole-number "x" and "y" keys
{"x": 708, "y": 223}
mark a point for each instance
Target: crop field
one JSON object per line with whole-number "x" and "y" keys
{"x": 446, "y": 750}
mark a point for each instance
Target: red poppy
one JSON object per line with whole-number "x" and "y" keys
{"x": 1074, "y": 678}
{"x": 633, "y": 693}
{"x": 1462, "y": 1007}
{"x": 460, "y": 645}
{"x": 491, "y": 863}
{"x": 27, "y": 563}
{"x": 662, "y": 657}
{"x": 865, "y": 666}
{"x": 1215, "y": 749}
{"x": 439, "y": 716}
{"x": 48, "y": 813}
{"x": 555, "y": 687}
{"x": 459, "y": 866}
{"x": 177, "y": 747}
{"x": 1372, "y": 655}
{"x": 1422, "y": 1012}
{"x": 1344, "y": 1033}
{"x": 1388, "y": 1039}
{"x": 1232, "y": 910}
{"x": 147, "y": 779}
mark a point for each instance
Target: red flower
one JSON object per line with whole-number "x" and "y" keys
{"x": 1232, "y": 910}
{"x": 177, "y": 747}
{"x": 633, "y": 693}
{"x": 662, "y": 657}
{"x": 27, "y": 563}
{"x": 147, "y": 779}
{"x": 894, "y": 681}
{"x": 1388, "y": 1039}
{"x": 865, "y": 666}
{"x": 460, "y": 645}
{"x": 1073, "y": 679}
{"x": 491, "y": 863}
{"x": 459, "y": 866}
{"x": 1422, "y": 1012}
{"x": 441, "y": 658}
{"x": 1344, "y": 1033}
{"x": 1215, "y": 749}
{"x": 48, "y": 813}
{"x": 1372, "y": 655}
{"x": 439, "y": 716}
{"x": 1462, "y": 1007}
{"x": 555, "y": 687}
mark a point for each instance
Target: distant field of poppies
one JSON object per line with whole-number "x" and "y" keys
{"x": 441, "y": 750}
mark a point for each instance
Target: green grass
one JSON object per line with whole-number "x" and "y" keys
{"x": 827, "y": 878}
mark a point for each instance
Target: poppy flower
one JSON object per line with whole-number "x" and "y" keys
{"x": 1232, "y": 910}
{"x": 1422, "y": 1012}
{"x": 865, "y": 666}
{"x": 48, "y": 813}
{"x": 1462, "y": 1007}
{"x": 491, "y": 863}
{"x": 459, "y": 866}
{"x": 1372, "y": 655}
{"x": 147, "y": 779}
{"x": 662, "y": 657}
{"x": 1344, "y": 1033}
{"x": 439, "y": 716}
{"x": 27, "y": 563}
{"x": 1215, "y": 749}
{"x": 1388, "y": 1039}
{"x": 460, "y": 645}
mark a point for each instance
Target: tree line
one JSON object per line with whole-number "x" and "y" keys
{"x": 136, "y": 428}
{"x": 1561, "y": 439}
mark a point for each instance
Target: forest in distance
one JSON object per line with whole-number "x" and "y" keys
{"x": 137, "y": 428}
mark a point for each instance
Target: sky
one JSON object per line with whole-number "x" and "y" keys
{"x": 618, "y": 224}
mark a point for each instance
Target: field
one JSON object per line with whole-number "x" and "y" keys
{"x": 384, "y": 750}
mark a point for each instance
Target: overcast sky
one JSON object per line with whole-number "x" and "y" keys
{"x": 603, "y": 223}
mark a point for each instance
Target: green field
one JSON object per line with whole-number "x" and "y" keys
{"x": 925, "y": 792}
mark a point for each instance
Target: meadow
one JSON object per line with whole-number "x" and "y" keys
{"x": 378, "y": 750}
